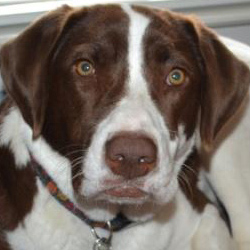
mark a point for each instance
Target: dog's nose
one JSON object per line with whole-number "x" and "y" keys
{"x": 131, "y": 155}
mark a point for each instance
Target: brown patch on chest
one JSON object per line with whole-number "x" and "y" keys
{"x": 17, "y": 191}
{"x": 3, "y": 243}
{"x": 17, "y": 187}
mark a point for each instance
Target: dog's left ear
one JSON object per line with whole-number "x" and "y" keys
{"x": 225, "y": 85}
{"x": 23, "y": 63}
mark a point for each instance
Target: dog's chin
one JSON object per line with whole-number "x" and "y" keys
{"x": 105, "y": 209}
{"x": 134, "y": 201}
{"x": 136, "y": 205}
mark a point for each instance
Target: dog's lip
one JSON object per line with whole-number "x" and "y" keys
{"x": 125, "y": 192}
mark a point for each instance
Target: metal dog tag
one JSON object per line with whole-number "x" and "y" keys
{"x": 102, "y": 244}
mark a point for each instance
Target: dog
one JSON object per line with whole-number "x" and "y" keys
{"x": 107, "y": 111}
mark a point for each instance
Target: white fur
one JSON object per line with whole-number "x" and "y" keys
{"x": 230, "y": 165}
{"x": 212, "y": 233}
{"x": 50, "y": 226}
{"x": 11, "y": 136}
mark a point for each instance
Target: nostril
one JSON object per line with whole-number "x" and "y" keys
{"x": 131, "y": 154}
{"x": 118, "y": 157}
{"x": 146, "y": 160}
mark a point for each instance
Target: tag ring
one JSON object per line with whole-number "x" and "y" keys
{"x": 102, "y": 243}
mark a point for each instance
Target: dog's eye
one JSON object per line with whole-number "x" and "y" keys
{"x": 84, "y": 68}
{"x": 176, "y": 77}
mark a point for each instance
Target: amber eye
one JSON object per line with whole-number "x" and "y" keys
{"x": 84, "y": 68}
{"x": 176, "y": 77}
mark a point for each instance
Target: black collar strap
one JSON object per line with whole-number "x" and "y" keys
{"x": 116, "y": 224}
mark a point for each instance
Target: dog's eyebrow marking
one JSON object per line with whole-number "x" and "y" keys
{"x": 137, "y": 28}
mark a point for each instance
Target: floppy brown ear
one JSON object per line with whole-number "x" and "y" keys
{"x": 225, "y": 87}
{"x": 23, "y": 66}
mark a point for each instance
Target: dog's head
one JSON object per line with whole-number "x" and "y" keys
{"x": 123, "y": 92}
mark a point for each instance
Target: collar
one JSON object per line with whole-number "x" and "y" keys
{"x": 114, "y": 225}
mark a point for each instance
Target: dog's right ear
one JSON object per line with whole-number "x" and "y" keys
{"x": 23, "y": 63}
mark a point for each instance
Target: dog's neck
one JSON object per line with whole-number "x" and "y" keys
{"x": 116, "y": 224}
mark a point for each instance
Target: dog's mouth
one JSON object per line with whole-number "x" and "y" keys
{"x": 126, "y": 192}
{"x": 133, "y": 192}
{"x": 118, "y": 190}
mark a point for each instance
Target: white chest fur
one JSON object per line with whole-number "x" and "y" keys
{"x": 50, "y": 226}
{"x": 177, "y": 226}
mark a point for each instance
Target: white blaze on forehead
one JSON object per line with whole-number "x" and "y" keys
{"x": 137, "y": 29}
{"x": 136, "y": 111}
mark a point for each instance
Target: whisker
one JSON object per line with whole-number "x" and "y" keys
{"x": 77, "y": 175}
{"x": 75, "y": 152}
{"x": 189, "y": 168}
{"x": 76, "y": 161}
{"x": 182, "y": 177}
{"x": 70, "y": 146}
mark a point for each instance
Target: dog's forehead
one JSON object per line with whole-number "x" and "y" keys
{"x": 105, "y": 15}
{"x": 100, "y": 22}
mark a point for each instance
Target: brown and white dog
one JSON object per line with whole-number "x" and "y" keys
{"x": 114, "y": 103}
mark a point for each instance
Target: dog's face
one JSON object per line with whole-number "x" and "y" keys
{"x": 123, "y": 92}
